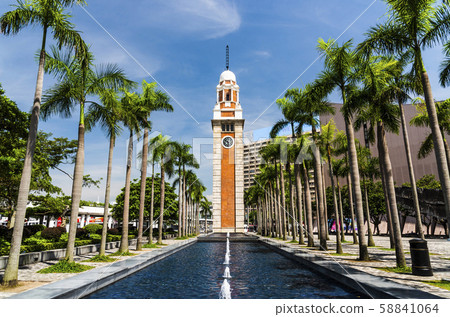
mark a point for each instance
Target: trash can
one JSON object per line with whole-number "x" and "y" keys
{"x": 420, "y": 258}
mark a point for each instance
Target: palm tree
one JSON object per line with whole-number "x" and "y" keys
{"x": 154, "y": 157}
{"x": 340, "y": 64}
{"x": 341, "y": 147}
{"x": 50, "y": 15}
{"x": 327, "y": 135}
{"x": 378, "y": 72}
{"x": 77, "y": 80}
{"x": 150, "y": 100}
{"x": 413, "y": 26}
{"x": 183, "y": 159}
{"x": 403, "y": 84}
{"x": 134, "y": 119}
{"x": 311, "y": 102}
{"x": 206, "y": 207}
{"x": 197, "y": 195}
{"x": 163, "y": 150}
{"x": 271, "y": 152}
{"x": 368, "y": 169}
{"x": 109, "y": 116}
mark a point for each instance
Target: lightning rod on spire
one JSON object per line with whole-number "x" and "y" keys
{"x": 228, "y": 58}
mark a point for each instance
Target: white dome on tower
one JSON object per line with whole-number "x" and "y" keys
{"x": 227, "y": 75}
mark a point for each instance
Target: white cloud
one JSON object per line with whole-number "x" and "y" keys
{"x": 264, "y": 54}
{"x": 204, "y": 18}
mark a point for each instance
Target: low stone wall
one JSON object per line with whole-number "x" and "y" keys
{"x": 34, "y": 257}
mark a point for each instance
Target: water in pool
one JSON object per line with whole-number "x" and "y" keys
{"x": 198, "y": 272}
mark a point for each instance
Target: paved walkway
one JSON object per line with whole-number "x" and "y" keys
{"x": 380, "y": 256}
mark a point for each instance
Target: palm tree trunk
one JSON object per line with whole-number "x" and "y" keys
{"x": 272, "y": 209}
{"x": 336, "y": 209}
{"x": 387, "y": 170}
{"x": 308, "y": 207}
{"x": 318, "y": 179}
{"x": 278, "y": 202}
{"x": 439, "y": 149}
{"x": 258, "y": 216}
{"x": 126, "y": 200}
{"x": 152, "y": 202}
{"x": 325, "y": 206}
{"x": 76, "y": 188}
{"x": 142, "y": 190}
{"x": 354, "y": 172}
{"x": 161, "y": 209}
{"x": 352, "y": 208}
{"x": 341, "y": 211}
{"x": 419, "y": 227}
{"x": 447, "y": 150}
{"x": 107, "y": 194}
{"x": 180, "y": 204}
{"x": 291, "y": 198}
{"x": 197, "y": 220}
{"x": 283, "y": 202}
{"x": 10, "y": 278}
{"x": 184, "y": 203}
{"x": 266, "y": 211}
{"x": 390, "y": 229}
{"x": 298, "y": 181}
{"x": 370, "y": 241}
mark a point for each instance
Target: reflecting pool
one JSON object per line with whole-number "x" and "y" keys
{"x": 198, "y": 272}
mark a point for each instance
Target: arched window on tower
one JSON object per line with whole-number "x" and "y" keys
{"x": 228, "y": 96}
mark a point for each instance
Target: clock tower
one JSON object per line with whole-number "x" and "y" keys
{"x": 228, "y": 165}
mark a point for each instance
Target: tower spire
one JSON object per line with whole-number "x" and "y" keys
{"x": 228, "y": 58}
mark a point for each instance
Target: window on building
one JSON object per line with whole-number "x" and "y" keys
{"x": 228, "y": 127}
{"x": 228, "y": 96}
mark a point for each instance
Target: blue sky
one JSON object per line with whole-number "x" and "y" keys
{"x": 181, "y": 45}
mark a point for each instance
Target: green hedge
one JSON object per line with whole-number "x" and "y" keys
{"x": 37, "y": 243}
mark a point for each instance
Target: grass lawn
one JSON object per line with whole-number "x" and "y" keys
{"x": 100, "y": 258}
{"x": 342, "y": 254}
{"x": 401, "y": 270}
{"x": 118, "y": 253}
{"x": 64, "y": 266}
{"x": 441, "y": 284}
{"x": 151, "y": 246}
{"x": 385, "y": 249}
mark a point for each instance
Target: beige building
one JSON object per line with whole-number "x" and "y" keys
{"x": 252, "y": 161}
{"x": 396, "y": 147}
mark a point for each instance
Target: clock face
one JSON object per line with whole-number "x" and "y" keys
{"x": 227, "y": 142}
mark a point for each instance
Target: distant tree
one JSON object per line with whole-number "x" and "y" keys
{"x": 170, "y": 200}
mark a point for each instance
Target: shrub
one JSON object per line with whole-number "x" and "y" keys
{"x": 82, "y": 233}
{"x": 114, "y": 231}
{"x": 4, "y": 246}
{"x": 113, "y": 237}
{"x": 35, "y": 228}
{"x": 26, "y": 233}
{"x": 53, "y": 233}
{"x": 93, "y": 228}
{"x": 33, "y": 240}
{"x": 96, "y": 238}
{"x": 6, "y": 233}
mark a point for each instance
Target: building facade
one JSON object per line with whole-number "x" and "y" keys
{"x": 228, "y": 168}
{"x": 396, "y": 147}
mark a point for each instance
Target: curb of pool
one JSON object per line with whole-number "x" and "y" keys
{"x": 373, "y": 286}
{"x": 85, "y": 283}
